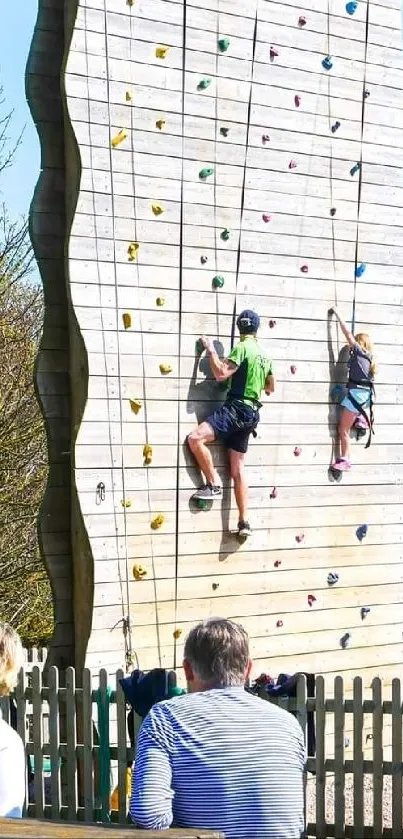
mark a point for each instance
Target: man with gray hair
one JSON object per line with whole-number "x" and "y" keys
{"x": 219, "y": 757}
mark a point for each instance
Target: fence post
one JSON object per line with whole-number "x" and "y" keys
{"x": 377, "y": 756}
{"x": 320, "y": 718}
{"x": 358, "y": 757}
{"x": 54, "y": 741}
{"x": 37, "y": 739}
{"x": 22, "y": 721}
{"x": 88, "y": 742}
{"x": 122, "y": 746}
{"x": 396, "y": 760}
{"x": 71, "y": 744}
{"x": 339, "y": 773}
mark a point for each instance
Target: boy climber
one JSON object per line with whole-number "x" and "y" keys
{"x": 250, "y": 372}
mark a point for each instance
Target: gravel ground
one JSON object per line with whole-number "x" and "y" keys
{"x": 349, "y": 800}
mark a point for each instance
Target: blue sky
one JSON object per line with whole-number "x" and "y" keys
{"x": 17, "y": 24}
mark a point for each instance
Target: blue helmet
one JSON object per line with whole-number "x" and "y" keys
{"x": 248, "y": 322}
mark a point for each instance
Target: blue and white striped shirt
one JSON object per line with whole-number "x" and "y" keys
{"x": 221, "y": 759}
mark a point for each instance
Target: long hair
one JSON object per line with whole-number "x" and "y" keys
{"x": 366, "y": 344}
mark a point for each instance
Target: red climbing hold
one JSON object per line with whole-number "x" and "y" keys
{"x": 304, "y": 269}
{"x": 266, "y": 218}
{"x": 277, "y": 563}
{"x": 297, "y": 100}
{"x": 299, "y": 538}
{"x": 273, "y": 493}
{"x": 293, "y": 369}
{"x": 273, "y": 52}
{"x": 279, "y": 624}
{"x": 302, "y": 20}
{"x": 311, "y": 599}
{"x": 265, "y": 139}
{"x": 297, "y": 451}
{"x": 272, "y": 323}
{"x": 292, "y": 164}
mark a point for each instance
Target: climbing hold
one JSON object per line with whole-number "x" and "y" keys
{"x": 139, "y": 572}
{"x": 297, "y": 100}
{"x": 165, "y": 369}
{"x": 127, "y": 320}
{"x": 204, "y": 84}
{"x": 130, "y": 2}
{"x": 201, "y": 503}
{"x": 157, "y": 522}
{"x": 304, "y": 269}
{"x": 161, "y": 123}
{"x": 119, "y": 137}
{"x": 128, "y": 96}
{"x": 327, "y": 62}
{"x": 272, "y": 323}
{"x": 345, "y": 640}
{"x": 223, "y": 44}
{"x": 225, "y": 235}
{"x": 218, "y": 281}
{"x": 311, "y": 599}
{"x": 356, "y": 168}
{"x": 297, "y": 451}
{"x": 160, "y": 301}
{"x": 279, "y": 624}
{"x": 365, "y": 610}
{"x": 266, "y": 218}
{"x": 135, "y": 405}
{"x": 360, "y": 269}
{"x": 332, "y": 578}
{"x": 351, "y": 7}
{"x": 265, "y": 139}
{"x": 366, "y": 94}
{"x": 177, "y": 633}
{"x": 157, "y": 209}
{"x": 133, "y": 251}
{"x": 215, "y": 586}
{"x": 161, "y": 52}
{"x": 147, "y": 454}
{"x": 302, "y": 20}
{"x": 199, "y": 346}
{"x": 224, "y": 131}
{"x": 333, "y": 211}
{"x": 277, "y": 563}
{"x": 346, "y": 742}
{"x": 205, "y": 173}
{"x": 273, "y": 493}
{"x": 299, "y": 538}
{"x": 100, "y": 492}
{"x": 361, "y": 532}
{"x": 125, "y": 502}
{"x": 292, "y": 164}
{"x": 335, "y": 126}
{"x": 203, "y": 259}
{"x": 273, "y": 52}
{"x": 293, "y": 369}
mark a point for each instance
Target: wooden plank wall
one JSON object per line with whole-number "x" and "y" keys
{"x": 195, "y": 567}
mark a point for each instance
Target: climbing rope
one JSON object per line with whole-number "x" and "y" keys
{"x": 331, "y": 160}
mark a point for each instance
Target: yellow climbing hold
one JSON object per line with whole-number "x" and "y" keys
{"x": 139, "y": 572}
{"x": 130, "y": 2}
{"x": 122, "y": 134}
{"x": 160, "y": 301}
{"x": 161, "y": 52}
{"x": 133, "y": 250}
{"x": 125, "y": 502}
{"x": 157, "y": 209}
{"x": 165, "y": 369}
{"x": 135, "y": 405}
{"x": 127, "y": 320}
{"x": 157, "y": 522}
{"x": 148, "y": 454}
{"x": 128, "y": 96}
{"x": 161, "y": 123}
{"x": 177, "y": 633}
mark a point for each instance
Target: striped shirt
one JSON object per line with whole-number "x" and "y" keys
{"x": 221, "y": 759}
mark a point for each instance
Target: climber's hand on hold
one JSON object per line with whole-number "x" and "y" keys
{"x": 207, "y": 343}
{"x": 332, "y": 311}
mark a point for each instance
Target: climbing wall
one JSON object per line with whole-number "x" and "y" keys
{"x": 235, "y": 153}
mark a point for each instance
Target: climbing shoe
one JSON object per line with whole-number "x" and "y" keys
{"x": 342, "y": 464}
{"x": 208, "y": 492}
{"x": 244, "y": 528}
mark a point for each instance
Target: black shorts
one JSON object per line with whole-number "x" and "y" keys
{"x": 233, "y": 423}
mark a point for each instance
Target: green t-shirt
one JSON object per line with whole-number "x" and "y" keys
{"x": 254, "y": 367}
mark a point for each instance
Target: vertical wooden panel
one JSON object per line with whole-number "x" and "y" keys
{"x": 396, "y": 759}
{"x": 320, "y": 721}
{"x": 339, "y": 774}
{"x": 122, "y": 746}
{"x": 358, "y": 756}
{"x": 88, "y": 763}
{"x": 71, "y": 742}
{"x": 104, "y": 742}
{"x": 22, "y": 723}
{"x": 54, "y": 741}
{"x": 37, "y": 740}
{"x": 377, "y": 757}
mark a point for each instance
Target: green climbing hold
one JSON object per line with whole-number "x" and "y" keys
{"x": 224, "y": 131}
{"x": 204, "y": 84}
{"x": 205, "y": 173}
{"x": 201, "y": 504}
{"x": 199, "y": 346}
{"x": 218, "y": 281}
{"x": 225, "y": 235}
{"x": 223, "y": 44}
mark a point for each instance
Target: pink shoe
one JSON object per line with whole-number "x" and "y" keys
{"x": 342, "y": 464}
{"x": 361, "y": 423}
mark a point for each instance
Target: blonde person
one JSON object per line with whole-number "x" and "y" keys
{"x": 360, "y": 386}
{"x": 12, "y": 757}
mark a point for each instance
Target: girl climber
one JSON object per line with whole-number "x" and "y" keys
{"x": 360, "y": 386}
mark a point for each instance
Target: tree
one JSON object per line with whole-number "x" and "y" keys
{"x": 25, "y": 594}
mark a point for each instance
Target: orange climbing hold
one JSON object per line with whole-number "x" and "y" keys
{"x": 157, "y": 209}
{"x": 132, "y": 251}
{"x": 161, "y": 52}
{"x": 177, "y": 633}
{"x": 139, "y": 572}
{"x": 135, "y": 405}
{"x": 119, "y": 137}
{"x": 147, "y": 454}
{"x": 157, "y": 522}
{"x": 127, "y": 320}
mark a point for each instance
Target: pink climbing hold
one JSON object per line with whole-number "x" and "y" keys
{"x": 272, "y": 323}
{"x": 293, "y": 369}
{"x": 292, "y": 164}
{"x": 265, "y": 139}
{"x": 311, "y": 599}
{"x": 297, "y": 100}
{"x": 277, "y": 563}
{"x": 302, "y": 20}
{"x": 304, "y": 269}
{"x": 279, "y": 624}
{"x": 266, "y": 218}
{"x": 273, "y": 52}
{"x": 273, "y": 493}
{"x": 297, "y": 451}
{"x": 299, "y": 538}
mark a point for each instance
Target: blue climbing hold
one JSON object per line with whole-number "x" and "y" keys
{"x": 335, "y": 126}
{"x": 365, "y": 610}
{"x": 351, "y": 8}
{"x": 345, "y": 640}
{"x": 354, "y": 169}
{"x": 332, "y": 578}
{"x": 338, "y": 393}
{"x": 360, "y": 269}
{"x": 327, "y": 62}
{"x": 361, "y": 532}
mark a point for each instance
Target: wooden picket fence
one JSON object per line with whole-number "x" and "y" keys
{"x": 77, "y": 736}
